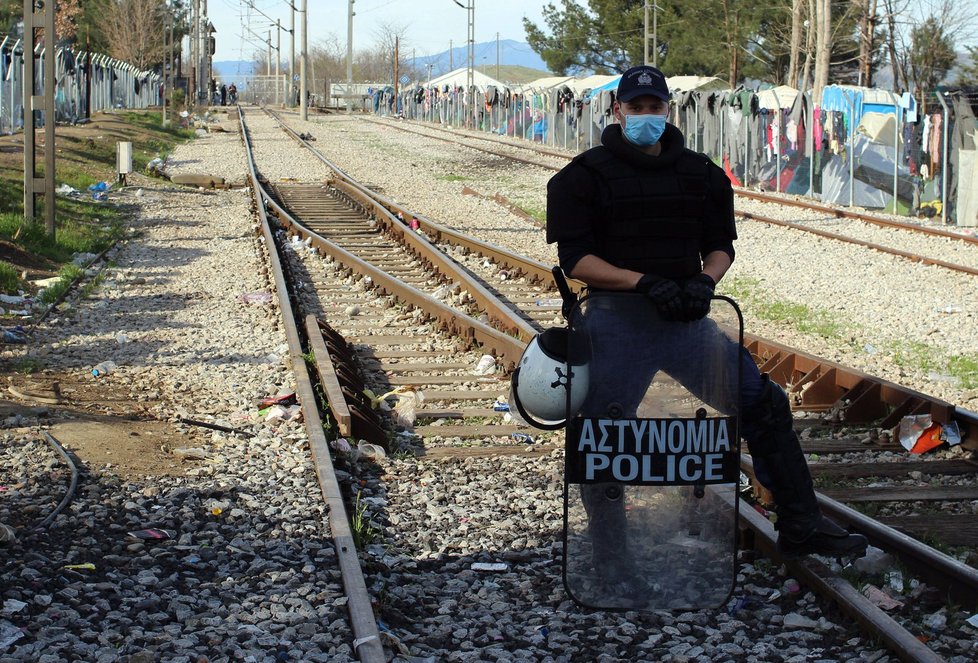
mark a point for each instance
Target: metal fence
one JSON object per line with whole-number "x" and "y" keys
{"x": 858, "y": 147}
{"x": 84, "y": 83}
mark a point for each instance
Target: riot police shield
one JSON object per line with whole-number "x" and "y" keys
{"x": 652, "y": 456}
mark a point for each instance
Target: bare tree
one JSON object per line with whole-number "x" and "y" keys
{"x": 949, "y": 22}
{"x": 823, "y": 44}
{"x": 134, "y": 30}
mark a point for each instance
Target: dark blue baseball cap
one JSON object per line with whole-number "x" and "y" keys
{"x": 642, "y": 80}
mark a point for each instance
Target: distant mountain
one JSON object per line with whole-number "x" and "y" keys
{"x": 511, "y": 52}
{"x": 517, "y": 63}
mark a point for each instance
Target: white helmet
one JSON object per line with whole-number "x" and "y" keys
{"x": 539, "y": 383}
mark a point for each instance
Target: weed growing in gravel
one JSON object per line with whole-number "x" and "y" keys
{"x": 537, "y": 213}
{"x": 67, "y": 276}
{"x": 27, "y": 366}
{"x": 364, "y": 533}
{"x": 9, "y": 278}
{"x": 924, "y": 358}
{"x": 71, "y": 237}
{"x": 452, "y": 178}
{"x": 804, "y": 318}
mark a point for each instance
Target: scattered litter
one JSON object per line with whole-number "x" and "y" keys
{"x": 12, "y": 299}
{"x": 87, "y": 566}
{"x": 949, "y": 309}
{"x": 874, "y": 561}
{"x": 83, "y": 259}
{"x": 67, "y": 190}
{"x": 880, "y": 598}
{"x": 192, "y": 453}
{"x": 522, "y": 437}
{"x": 486, "y": 365}
{"x": 103, "y": 368}
{"x": 151, "y": 534}
{"x": 371, "y": 451}
{"x": 15, "y": 335}
{"x": 500, "y": 405}
{"x": 256, "y": 298}
{"x": 894, "y": 580}
{"x": 100, "y": 186}
{"x": 121, "y": 338}
{"x": 739, "y": 603}
{"x": 919, "y": 433}
{"x": 283, "y": 399}
{"x": 794, "y": 620}
{"x": 10, "y": 606}
{"x": 7, "y": 534}
{"x": 497, "y": 567}
{"x": 791, "y": 586}
{"x": 342, "y": 445}
{"x": 279, "y": 413}
{"x": 936, "y": 621}
{"x": 550, "y": 302}
{"x": 972, "y": 620}
{"x": 9, "y": 634}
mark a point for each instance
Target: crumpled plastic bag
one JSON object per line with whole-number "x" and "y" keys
{"x": 404, "y": 411}
{"x": 486, "y": 365}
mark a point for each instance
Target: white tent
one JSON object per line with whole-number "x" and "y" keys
{"x": 579, "y": 85}
{"x": 545, "y": 83}
{"x": 778, "y": 97}
{"x": 459, "y": 78}
{"x": 695, "y": 83}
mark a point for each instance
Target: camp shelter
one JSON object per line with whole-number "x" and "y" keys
{"x": 459, "y": 78}
{"x": 581, "y": 85}
{"x": 775, "y": 98}
{"x": 879, "y": 128}
{"x": 695, "y": 84}
{"x": 545, "y": 83}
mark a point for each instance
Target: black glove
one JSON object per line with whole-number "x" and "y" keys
{"x": 697, "y": 293}
{"x": 665, "y": 294}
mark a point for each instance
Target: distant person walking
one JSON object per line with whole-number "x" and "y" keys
{"x": 224, "y": 95}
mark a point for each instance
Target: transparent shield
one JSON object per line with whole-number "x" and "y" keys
{"x": 651, "y": 471}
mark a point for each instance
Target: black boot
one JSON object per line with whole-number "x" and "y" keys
{"x": 780, "y": 466}
{"x": 802, "y": 529}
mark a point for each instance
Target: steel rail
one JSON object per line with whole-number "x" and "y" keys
{"x": 848, "y": 214}
{"x": 954, "y": 578}
{"x": 859, "y": 242}
{"x": 904, "y": 644}
{"x": 812, "y": 572}
{"x": 384, "y": 211}
{"x": 367, "y": 644}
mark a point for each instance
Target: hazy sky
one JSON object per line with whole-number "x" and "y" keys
{"x": 429, "y": 24}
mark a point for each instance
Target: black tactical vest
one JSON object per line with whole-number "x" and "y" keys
{"x": 653, "y": 218}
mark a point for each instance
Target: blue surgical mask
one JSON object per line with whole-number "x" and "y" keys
{"x": 644, "y": 130}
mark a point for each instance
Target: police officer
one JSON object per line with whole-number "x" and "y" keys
{"x": 642, "y": 213}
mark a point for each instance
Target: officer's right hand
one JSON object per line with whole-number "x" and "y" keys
{"x": 665, "y": 294}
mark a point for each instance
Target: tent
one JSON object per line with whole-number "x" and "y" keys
{"x": 545, "y": 83}
{"x": 459, "y": 78}
{"x": 879, "y": 128}
{"x": 778, "y": 97}
{"x": 695, "y": 84}
{"x": 580, "y": 85}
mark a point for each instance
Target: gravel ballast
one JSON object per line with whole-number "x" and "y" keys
{"x": 249, "y": 573}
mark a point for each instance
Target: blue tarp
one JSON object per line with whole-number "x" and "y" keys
{"x": 610, "y": 85}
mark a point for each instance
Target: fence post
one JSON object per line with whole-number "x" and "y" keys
{"x": 947, "y": 113}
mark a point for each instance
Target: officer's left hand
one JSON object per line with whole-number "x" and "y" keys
{"x": 697, "y": 293}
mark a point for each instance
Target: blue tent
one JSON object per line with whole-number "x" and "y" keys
{"x": 610, "y": 85}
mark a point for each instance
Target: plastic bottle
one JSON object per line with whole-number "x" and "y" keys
{"x": 103, "y": 368}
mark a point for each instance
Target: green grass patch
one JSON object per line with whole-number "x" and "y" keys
{"x": 26, "y": 366}
{"x": 921, "y": 357}
{"x": 67, "y": 276}
{"x": 452, "y": 178}
{"x": 806, "y": 319}
{"x": 536, "y": 212}
{"x": 9, "y": 278}
{"x": 964, "y": 368}
{"x": 72, "y": 236}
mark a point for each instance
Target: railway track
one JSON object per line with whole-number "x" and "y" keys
{"x": 927, "y": 244}
{"x": 404, "y": 358}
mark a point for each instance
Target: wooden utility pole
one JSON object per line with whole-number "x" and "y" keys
{"x": 34, "y": 23}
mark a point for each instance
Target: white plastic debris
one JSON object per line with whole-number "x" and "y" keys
{"x": 486, "y": 365}
{"x": 495, "y": 567}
